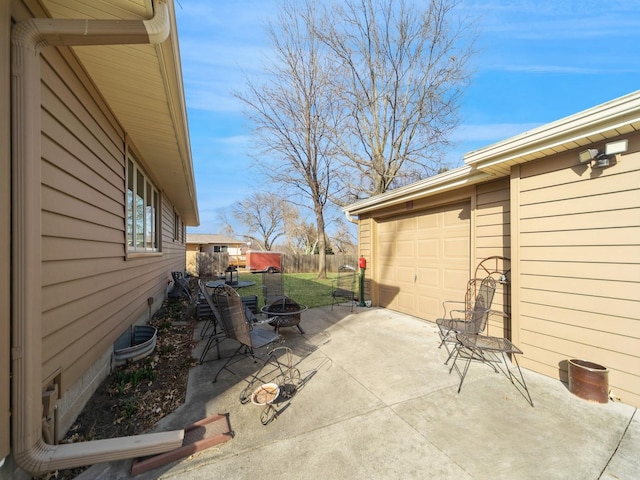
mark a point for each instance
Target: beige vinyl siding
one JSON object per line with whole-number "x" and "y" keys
{"x": 5, "y": 228}
{"x": 493, "y": 239}
{"x": 579, "y": 283}
{"x": 365, "y": 248}
{"x": 91, "y": 291}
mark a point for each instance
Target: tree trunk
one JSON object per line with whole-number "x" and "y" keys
{"x": 322, "y": 243}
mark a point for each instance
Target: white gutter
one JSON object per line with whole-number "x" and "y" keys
{"x": 27, "y": 39}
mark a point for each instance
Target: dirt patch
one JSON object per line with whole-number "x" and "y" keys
{"x": 136, "y": 396}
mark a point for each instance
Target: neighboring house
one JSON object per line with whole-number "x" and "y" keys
{"x": 571, "y": 228}
{"x": 213, "y": 243}
{"x": 96, "y": 190}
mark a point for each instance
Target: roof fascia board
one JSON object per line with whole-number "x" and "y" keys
{"x": 602, "y": 118}
{"x": 441, "y": 183}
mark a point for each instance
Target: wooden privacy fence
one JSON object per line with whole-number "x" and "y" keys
{"x": 206, "y": 264}
{"x": 309, "y": 263}
{"x": 202, "y": 264}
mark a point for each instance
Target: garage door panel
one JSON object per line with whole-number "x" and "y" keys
{"x": 405, "y": 302}
{"x": 457, "y": 248}
{"x": 405, "y": 275}
{"x": 454, "y": 279}
{"x": 424, "y": 260}
{"x": 429, "y": 248}
{"x": 405, "y": 249}
{"x": 406, "y": 225}
{"x": 427, "y": 305}
{"x": 429, "y": 278}
{"x": 453, "y": 216}
{"x": 428, "y": 222}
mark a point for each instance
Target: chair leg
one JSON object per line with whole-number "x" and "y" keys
{"x": 476, "y": 353}
{"x": 212, "y": 338}
{"x": 515, "y": 381}
{"x": 226, "y": 364}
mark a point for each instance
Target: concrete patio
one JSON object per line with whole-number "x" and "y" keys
{"x": 377, "y": 402}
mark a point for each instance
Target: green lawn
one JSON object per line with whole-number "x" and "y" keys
{"x": 304, "y": 288}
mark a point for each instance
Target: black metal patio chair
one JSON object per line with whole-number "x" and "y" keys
{"x": 237, "y": 326}
{"x": 343, "y": 286}
{"x": 492, "y": 351}
{"x": 272, "y": 286}
{"x": 213, "y": 322}
{"x": 470, "y": 316}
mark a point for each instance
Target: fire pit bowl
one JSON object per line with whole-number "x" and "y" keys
{"x": 284, "y": 312}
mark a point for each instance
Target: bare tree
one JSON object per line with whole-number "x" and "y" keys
{"x": 303, "y": 238}
{"x": 296, "y": 112}
{"x": 225, "y": 225}
{"x": 265, "y": 216}
{"x": 404, "y": 67}
{"x": 342, "y": 240}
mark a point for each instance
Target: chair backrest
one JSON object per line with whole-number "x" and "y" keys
{"x": 232, "y": 315}
{"x": 482, "y": 304}
{"x": 272, "y": 286}
{"x": 204, "y": 291}
{"x": 346, "y": 281}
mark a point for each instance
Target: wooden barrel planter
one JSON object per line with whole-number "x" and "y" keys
{"x": 589, "y": 380}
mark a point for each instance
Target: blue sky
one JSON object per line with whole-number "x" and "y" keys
{"x": 537, "y": 61}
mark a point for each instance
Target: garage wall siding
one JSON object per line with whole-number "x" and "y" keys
{"x": 493, "y": 239}
{"x": 579, "y": 261}
{"x": 91, "y": 292}
{"x": 365, "y": 250}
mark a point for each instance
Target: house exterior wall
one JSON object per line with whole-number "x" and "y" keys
{"x": 578, "y": 256}
{"x": 5, "y": 228}
{"x": 92, "y": 289}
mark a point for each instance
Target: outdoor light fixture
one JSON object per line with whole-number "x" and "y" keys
{"x": 603, "y": 159}
{"x": 587, "y": 155}
{"x": 231, "y": 275}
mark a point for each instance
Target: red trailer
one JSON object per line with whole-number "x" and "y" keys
{"x": 258, "y": 260}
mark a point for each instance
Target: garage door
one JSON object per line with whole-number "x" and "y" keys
{"x": 423, "y": 259}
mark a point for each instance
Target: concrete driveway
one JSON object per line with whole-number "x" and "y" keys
{"x": 378, "y": 403}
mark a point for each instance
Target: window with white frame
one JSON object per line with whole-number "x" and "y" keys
{"x": 143, "y": 211}
{"x": 176, "y": 226}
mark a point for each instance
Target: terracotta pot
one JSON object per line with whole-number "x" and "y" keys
{"x": 589, "y": 380}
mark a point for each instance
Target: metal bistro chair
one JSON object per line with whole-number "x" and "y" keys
{"x": 272, "y": 286}
{"x": 471, "y": 318}
{"x": 180, "y": 287}
{"x": 213, "y": 323}
{"x": 343, "y": 287}
{"x": 493, "y": 351}
{"x": 237, "y": 326}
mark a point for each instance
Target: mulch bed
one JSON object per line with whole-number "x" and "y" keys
{"x": 134, "y": 397}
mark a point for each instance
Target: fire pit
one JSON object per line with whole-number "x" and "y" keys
{"x": 284, "y": 312}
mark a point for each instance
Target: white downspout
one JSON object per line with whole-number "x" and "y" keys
{"x": 28, "y": 38}
{"x": 350, "y": 217}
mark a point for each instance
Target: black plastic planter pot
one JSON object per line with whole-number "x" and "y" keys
{"x": 589, "y": 380}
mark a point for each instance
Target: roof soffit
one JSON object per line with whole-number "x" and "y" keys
{"x": 142, "y": 85}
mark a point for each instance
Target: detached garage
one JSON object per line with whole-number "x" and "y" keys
{"x": 560, "y": 207}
